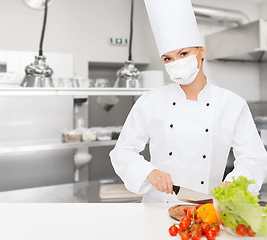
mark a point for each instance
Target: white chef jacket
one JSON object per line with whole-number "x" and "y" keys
{"x": 188, "y": 139}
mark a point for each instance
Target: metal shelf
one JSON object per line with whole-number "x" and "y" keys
{"x": 20, "y": 91}
{"x": 47, "y": 144}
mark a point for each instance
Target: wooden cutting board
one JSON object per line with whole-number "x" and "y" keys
{"x": 177, "y": 211}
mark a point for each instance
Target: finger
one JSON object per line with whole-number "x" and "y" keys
{"x": 161, "y": 186}
{"x": 170, "y": 184}
{"x": 224, "y": 184}
{"x": 156, "y": 185}
{"x": 165, "y": 186}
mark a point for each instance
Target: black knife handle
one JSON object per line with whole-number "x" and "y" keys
{"x": 176, "y": 189}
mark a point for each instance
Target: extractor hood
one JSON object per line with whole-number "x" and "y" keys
{"x": 243, "y": 43}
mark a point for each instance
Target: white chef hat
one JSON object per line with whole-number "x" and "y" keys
{"x": 174, "y": 24}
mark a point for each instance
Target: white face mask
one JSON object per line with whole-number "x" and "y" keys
{"x": 183, "y": 71}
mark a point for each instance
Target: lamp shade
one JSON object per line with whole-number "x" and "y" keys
{"x": 38, "y": 74}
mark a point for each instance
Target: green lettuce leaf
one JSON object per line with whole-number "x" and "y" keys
{"x": 239, "y": 206}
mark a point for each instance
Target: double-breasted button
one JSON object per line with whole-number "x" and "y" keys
{"x": 174, "y": 103}
{"x": 207, "y": 104}
{"x": 204, "y": 156}
{"x": 202, "y": 182}
{"x": 206, "y": 130}
{"x": 170, "y": 153}
{"x": 171, "y": 126}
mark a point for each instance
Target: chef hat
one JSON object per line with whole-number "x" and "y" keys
{"x": 174, "y": 24}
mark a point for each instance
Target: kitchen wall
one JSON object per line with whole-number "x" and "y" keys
{"x": 263, "y": 10}
{"x": 241, "y": 78}
{"x": 83, "y": 27}
{"x": 80, "y": 27}
{"x": 263, "y": 66}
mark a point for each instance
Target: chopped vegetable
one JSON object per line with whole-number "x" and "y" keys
{"x": 239, "y": 206}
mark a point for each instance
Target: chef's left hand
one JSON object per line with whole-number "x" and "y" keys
{"x": 224, "y": 184}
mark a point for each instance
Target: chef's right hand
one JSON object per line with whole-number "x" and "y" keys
{"x": 161, "y": 181}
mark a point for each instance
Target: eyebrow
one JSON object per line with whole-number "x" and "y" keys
{"x": 177, "y": 52}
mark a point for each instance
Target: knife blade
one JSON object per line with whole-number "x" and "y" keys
{"x": 187, "y": 195}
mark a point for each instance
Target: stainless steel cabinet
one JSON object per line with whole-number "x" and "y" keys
{"x": 24, "y": 118}
{"x": 30, "y": 124}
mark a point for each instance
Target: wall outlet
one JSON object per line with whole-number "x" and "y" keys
{"x": 118, "y": 41}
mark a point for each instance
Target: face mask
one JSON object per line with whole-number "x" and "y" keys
{"x": 183, "y": 71}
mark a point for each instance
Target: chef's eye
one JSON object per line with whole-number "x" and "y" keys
{"x": 183, "y": 54}
{"x": 167, "y": 59}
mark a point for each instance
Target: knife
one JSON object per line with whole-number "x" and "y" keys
{"x": 187, "y": 195}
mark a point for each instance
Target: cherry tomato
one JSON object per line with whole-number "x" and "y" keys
{"x": 192, "y": 213}
{"x": 184, "y": 225}
{"x": 215, "y": 228}
{"x": 186, "y": 209}
{"x": 187, "y": 219}
{"x": 241, "y": 230}
{"x": 250, "y": 232}
{"x": 185, "y": 236}
{"x": 190, "y": 234}
{"x": 197, "y": 228}
{"x": 205, "y": 227}
{"x": 210, "y": 235}
{"x": 196, "y": 235}
{"x": 198, "y": 206}
{"x": 173, "y": 230}
{"x": 199, "y": 221}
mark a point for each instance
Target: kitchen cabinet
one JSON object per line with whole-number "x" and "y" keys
{"x": 31, "y": 152}
{"x": 52, "y": 144}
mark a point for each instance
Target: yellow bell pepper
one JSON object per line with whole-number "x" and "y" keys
{"x": 208, "y": 214}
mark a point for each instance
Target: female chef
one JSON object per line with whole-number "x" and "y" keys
{"x": 191, "y": 124}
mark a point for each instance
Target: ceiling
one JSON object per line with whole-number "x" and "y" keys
{"x": 254, "y": 1}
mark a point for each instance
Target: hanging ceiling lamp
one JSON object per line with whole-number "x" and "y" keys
{"x": 129, "y": 76}
{"x": 38, "y": 74}
{"x": 38, "y": 4}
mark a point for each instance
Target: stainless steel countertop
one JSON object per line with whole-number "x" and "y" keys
{"x": 82, "y": 192}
